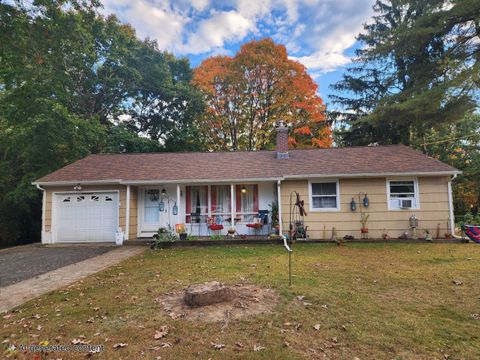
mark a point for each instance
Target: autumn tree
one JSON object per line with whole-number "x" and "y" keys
{"x": 247, "y": 94}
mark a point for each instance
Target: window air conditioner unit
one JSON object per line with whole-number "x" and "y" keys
{"x": 406, "y": 203}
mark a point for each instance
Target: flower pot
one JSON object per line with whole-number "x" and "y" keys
{"x": 183, "y": 236}
{"x": 364, "y": 230}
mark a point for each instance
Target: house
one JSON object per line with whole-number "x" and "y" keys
{"x": 89, "y": 200}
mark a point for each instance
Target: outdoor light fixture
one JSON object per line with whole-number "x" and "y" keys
{"x": 244, "y": 189}
{"x": 353, "y": 205}
{"x": 413, "y": 221}
{"x": 366, "y": 201}
{"x": 164, "y": 192}
{"x": 175, "y": 209}
{"x": 77, "y": 187}
{"x": 161, "y": 205}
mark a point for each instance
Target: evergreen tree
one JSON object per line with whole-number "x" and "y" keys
{"x": 418, "y": 70}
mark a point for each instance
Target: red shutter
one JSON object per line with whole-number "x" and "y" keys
{"x": 188, "y": 202}
{"x": 255, "y": 198}
{"x": 213, "y": 197}
{"x": 238, "y": 198}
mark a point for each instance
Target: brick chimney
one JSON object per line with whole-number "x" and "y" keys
{"x": 282, "y": 141}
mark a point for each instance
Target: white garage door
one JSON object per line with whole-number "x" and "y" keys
{"x": 86, "y": 217}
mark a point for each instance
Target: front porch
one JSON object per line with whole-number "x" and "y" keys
{"x": 215, "y": 210}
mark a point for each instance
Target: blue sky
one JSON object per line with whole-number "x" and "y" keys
{"x": 318, "y": 33}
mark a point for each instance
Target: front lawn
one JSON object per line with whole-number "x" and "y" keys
{"x": 371, "y": 301}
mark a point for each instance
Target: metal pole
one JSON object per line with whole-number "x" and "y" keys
{"x": 290, "y": 268}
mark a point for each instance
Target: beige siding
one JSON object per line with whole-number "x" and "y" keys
{"x": 433, "y": 208}
{"x": 122, "y": 210}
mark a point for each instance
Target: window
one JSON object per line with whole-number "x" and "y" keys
{"x": 399, "y": 190}
{"x": 108, "y": 198}
{"x": 247, "y": 202}
{"x": 66, "y": 199}
{"x": 94, "y": 198}
{"x": 324, "y": 196}
{"x": 220, "y": 199}
{"x": 80, "y": 198}
{"x": 197, "y": 204}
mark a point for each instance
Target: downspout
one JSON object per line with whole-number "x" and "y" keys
{"x": 450, "y": 208}
{"x": 44, "y": 198}
{"x": 127, "y": 215}
{"x": 279, "y": 202}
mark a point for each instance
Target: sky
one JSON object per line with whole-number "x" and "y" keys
{"x": 318, "y": 33}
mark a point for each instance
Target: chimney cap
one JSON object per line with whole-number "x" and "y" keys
{"x": 281, "y": 125}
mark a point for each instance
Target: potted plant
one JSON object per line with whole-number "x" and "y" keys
{"x": 363, "y": 221}
{"x": 274, "y": 211}
{"x": 181, "y": 231}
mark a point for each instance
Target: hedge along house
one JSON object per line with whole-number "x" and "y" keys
{"x": 93, "y": 198}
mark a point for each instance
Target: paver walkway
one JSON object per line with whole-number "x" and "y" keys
{"x": 16, "y": 294}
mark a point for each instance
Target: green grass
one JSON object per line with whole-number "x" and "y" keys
{"x": 394, "y": 301}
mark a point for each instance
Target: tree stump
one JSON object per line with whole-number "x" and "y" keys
{"x": 209, "y": 293}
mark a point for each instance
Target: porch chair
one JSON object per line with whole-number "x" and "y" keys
{"x": 215, "y": 223}
{"x": 260, "y": 221}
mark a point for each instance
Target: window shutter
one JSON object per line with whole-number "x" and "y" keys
{"x": 238, "y": 197}
{"x": 188, "y": 202}
{"x": 255, "y": 198}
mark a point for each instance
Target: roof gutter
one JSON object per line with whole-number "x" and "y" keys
{"x": 229, "y": 181}
{"x": 361, "y": 175}
{"x": 148, "y": 182}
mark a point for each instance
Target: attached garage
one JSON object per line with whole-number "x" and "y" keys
{"x": 85, "y": 217}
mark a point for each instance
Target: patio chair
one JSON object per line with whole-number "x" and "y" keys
{"x": 260, "y": 221}
{"x": 473, "y": 232}
{"x": 215, "y": 223}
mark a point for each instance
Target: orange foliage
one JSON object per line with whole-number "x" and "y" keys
{"x": 248, "y": 93}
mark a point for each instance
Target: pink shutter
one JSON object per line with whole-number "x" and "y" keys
{"x": 238, "y": 197}
{"x": 188, "y": 203}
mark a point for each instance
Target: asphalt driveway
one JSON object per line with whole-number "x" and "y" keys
{"x": 25, "y": 262}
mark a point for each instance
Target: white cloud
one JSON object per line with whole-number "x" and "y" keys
{"x": 316, "y": 32}
{"x": 213, "y": 32}
{"x": 323, "y": 62}
{"x": 157, "y": 21}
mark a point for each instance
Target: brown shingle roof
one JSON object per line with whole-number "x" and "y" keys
{"x": 394, "y": 159}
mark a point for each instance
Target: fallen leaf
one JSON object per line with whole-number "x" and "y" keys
{"x": 300, "y": 297}
{"x": 475, "y": 316}
{"x": 166, "y": 345}
{"x": 457, "y": 282}
{"x": 307, "y": 304}
{"x": 79, "y": 341}
{"x": 258, "y": 348}
{"x": 161, "y": 333}
{"x": 239, "y": 344}
{"x": 316, "y": 326}
{"x": 176, "y": 316}
{"x": 119, "y": 345}
{"x": 217, "y": 346}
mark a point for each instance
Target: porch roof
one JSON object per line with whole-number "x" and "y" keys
{"x": 247, "y": 166}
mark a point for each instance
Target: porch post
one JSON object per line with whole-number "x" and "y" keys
{"x": 178, "y": 204}
{"x": 450, "y": 207}
{"x": 127, "y": 214}
{"x": 279, "y": 203}
{"x": 232, "y": 206}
